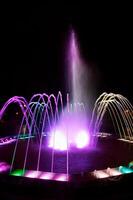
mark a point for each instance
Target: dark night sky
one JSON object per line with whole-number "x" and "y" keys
{"x": 34, "y": 40}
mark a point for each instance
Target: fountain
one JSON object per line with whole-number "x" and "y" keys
{"x": 51, "y": 128}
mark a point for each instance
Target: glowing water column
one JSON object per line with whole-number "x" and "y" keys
{"x": 76, "y": 70}
{"x": 74, "y": 65}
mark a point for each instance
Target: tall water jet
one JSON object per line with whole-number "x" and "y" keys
{"x": 78, "y": 75}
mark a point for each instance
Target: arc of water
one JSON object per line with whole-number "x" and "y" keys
{"x": 28, "y": 142}
{"x": 109, "y": 100}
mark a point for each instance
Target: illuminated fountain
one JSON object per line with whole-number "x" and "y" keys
{"x": 64, "y": 126}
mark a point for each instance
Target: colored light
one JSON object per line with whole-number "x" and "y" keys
{"x": 100, "y": 174}
{"x": 32, "y": 174}
{"x": 6, "y": 141}
{"x": 26, "y": 137}
{"x": 53, "y": 176}
{"x": 17, "y": 172}
{"x": 4, "y": 167}
{"x": 40, "y": 175}
{"x": 113, "y": 172}
{"x": 126, "y": 140}
{"x": 58, "y": 140}
{"x": 61, "y": 177}
{"x": 125, "y": 170}
{"x": 82, "y": 139}
{"x": 131, "y": 164}
{"x": 46, "y": 176}
{"x": 70, "y": 131}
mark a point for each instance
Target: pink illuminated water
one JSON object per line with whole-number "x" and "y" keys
{"x": 4, "y": 167}
{"x": 72, "y": 128}
{"x": 71, "y": 131}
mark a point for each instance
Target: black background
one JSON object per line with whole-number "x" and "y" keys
{"x": 34, "y": 45}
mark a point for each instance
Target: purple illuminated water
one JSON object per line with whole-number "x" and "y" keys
{"x": 73, "y": 126}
